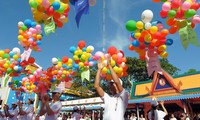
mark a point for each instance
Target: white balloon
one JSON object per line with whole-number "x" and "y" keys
{"x": 147, "y": 25}
{"x": 92, "y": 2}
{"x": 20, "y": 24}
{"x": 54, "y": 61}
{"x": 147, "y": 16}
{"x": 105, "y": 62}
{"x": 16, "y": 50}
{"x": 91, "y": 48}
{"x": 15, "y": 68}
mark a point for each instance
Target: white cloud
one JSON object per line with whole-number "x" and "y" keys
{"x": 118, "y": 13}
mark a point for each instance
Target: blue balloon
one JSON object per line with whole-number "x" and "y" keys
{"x": 84, "y": 49}
{"x": 11, "y": 54}
{"x": 39, "y": 42}
{"x": 27, "y": 22}
{"x": 33, "y": 24}
{"x": 76, "y": 66}
{"x": 72, "y": 49}
{"x": 56, "y": 5}
{"x": 135, "y": 43}
{"x": 169, "y": 42}
{"x": 132, "y": 35}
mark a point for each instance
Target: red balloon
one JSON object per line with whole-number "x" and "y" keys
{"x": 131, "y": 48}
{"x": 59, "y": 24}
{"x": 195, "y": 6}
{"x": 175, "y": 4}
{"x": 31, "y": 60}
{"x": 50, "y": 11}
{"x": 64, "y": 59}
{"x": 112, "y": 50}
{"x": 179, "y": 14}
{"x": 163, "y": 14}
{"x": 81, "y": 44}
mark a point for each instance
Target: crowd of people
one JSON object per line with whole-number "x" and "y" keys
{"x": 115, "y": 105}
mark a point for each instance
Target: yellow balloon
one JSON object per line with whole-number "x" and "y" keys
{"x": 164, "y": 54}
{"x": 15, "y": 57}
{"x": 1, "y": 53}
{"x": 153, "y": 29}
{"x": 20, "y": 37}
{"x": 104, "y": 70}
{"x": 140, "y": 25}
{"x": 5, "y": 65}
{"x": 112, "y": 63}
{"x": 137, "y": 35}
{"x": 115, "y": 69}
{"x": 162, "y": 47}
{"x": 75, "y": 57}
{"x": 70, "y": 61}
{"x": 147, "y": 38}
{"x": 81, "y": 64}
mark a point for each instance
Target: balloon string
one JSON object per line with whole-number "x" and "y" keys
{"x": 103, "y": 25}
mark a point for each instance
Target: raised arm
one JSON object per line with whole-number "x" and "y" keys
{"x": 21, "y": 112}
{"x": 163, "y": 107}
{"x": 99, "y": 90}
{"x": 114, "y": 75}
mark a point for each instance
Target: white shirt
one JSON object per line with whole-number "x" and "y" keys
{"x": 13, "y": 112}
{"x": 158, "y": 113}
{"x": 76, "y": 116}
{"x": 172, "y": 119}
{"x": 115, "y": 106}
{"x": 55, "y": 107}
{"x": 29, "y": 113}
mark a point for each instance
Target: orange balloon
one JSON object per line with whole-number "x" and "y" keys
{"x": 114, "y": 56}
{"x": 164, "y": 32}
{"x": 154, "y": 42}
{"x": 131, "y": 47}
{"x": 156, "y": 0}
{"x": 7, "y": 50}
{"x": 124, "y": 59}
{"x": 173, "y": 29}
{"x": 171, "y": 21}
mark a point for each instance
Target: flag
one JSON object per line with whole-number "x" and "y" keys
{"x": 81, "y": 7}
{"x": 152, "y": 62}
{"x": 26, "y": 54}
{"x": 85, "y": 75}
{"x": 49, "y": 26}
{"x": 188, "y": 36}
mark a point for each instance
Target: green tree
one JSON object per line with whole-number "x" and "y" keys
{"x": 137, "y": 70}
{"x": 190, "y": 71}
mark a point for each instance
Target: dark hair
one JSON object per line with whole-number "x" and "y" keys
{"x": 31, "y": 101}
{"x": 153, "y": 108}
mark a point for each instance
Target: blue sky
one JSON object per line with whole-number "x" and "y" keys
{"x": 117, "y": 14}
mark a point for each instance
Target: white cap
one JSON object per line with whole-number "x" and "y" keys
{"x": 57, "y": 90}
{"x": 75, "y": 108}
{"x": 154, "y": 103}
{"x": 14, "y": 103}
{"x": 119, "y": 80}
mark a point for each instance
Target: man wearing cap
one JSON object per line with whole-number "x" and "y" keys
{"x": 29, "y": 111}
{"x": 76, "y": 115}
{"x": 52, "y": 110}
{"x": 156, "y": 114}
{"x": 11, "y": 114}
{"x": 116, "y": 103}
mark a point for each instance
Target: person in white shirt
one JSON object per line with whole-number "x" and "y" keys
{"x": 11, "y": 114}
{"x": 117, "y": 102}
{"x": 76, "y": 115}
{"x": 172, "y": 117}
{"x": 2, "y": 116}
{"x": 141, "y": 117}
{"x": 29, "y": 111}
{"x": 156, "y": 114}
{"x": 52, "y": 110}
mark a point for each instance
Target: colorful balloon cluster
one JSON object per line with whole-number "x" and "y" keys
{"x": 30, "y": 34}
{"x": 61, "y": 69}
{"x": 10, "y": 62}
{"x": 118, "y": 62}
{"x": 43, "y": 9}
{"x": 82, "y": 55}
{"x": 176, "y": 11}
{"x": 146, "y": 35}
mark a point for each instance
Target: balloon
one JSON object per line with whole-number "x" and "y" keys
{"x": 196, "y": 19}
{"x": 131, "y": 25}
{"x": 91, "y": 48}
{"x": 54, "y": 61}
{"x": 56, "y": 5}
{"x": 72, "y": 49}
{"x": 139, "y": 25}
{"x": 81, "y": 44}
{"x": 135, "y": 43}
{"x": 169, "y": 42}
{"x": 166, "y": 6}
{"x": 31, "y": 60}
{"x": 147, "y": 16}
{"x": 112, "y": 50}
{"x": 172, "y": 13}
{"x": 147, "y": 25}
{"x": 186, "y": 5}
{"x": 16, "y": 50}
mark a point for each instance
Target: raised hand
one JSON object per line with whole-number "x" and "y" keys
{"x": 109, "y": 59}
{"x": 161, "y": 102}
{"x": 100, "y": 64}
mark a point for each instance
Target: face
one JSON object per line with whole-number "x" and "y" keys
{"x": 55, "y": 95}
{"x": 14, "y": 106}
{"x": 113, "y": 88}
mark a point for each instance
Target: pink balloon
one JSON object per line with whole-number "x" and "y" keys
{"x": 196, "y": 19}
{"x": 46, "y": 3}
{"x": 131, "y": 39}
{"x": 186, "y": 5}
{"x": 166, "y": 6}
{"x": 99, "y": 54}
{"x": 91, "y": 63}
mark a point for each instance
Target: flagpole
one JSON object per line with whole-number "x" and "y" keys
{"x": 103, "y": 25}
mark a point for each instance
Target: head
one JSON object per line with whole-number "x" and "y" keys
{"x": 113, "y": 87}
{"x": 154, "y": 104}
{"x": 31, "y": 101}
{"x": 56, "y": 93}
{"x": 172, "y": 115}
{"x": 75, "y": 108}
{"x": 14, "y": 105}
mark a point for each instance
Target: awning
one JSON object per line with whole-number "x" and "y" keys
{"x": 178, "y": 97}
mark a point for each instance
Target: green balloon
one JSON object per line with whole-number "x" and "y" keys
{"x": 131, "y": 25}
{"x": 16, "y": 82}
{"x": 24, "y": 28}
{"x": 172, "y": 13}
{"x": 33, "y": 4}
{"x": 61, "y": 10}
{"x": 5, "y": 56}
{"x": 163, "y": 0}
{"x": 189, "y": 13}
{"x": 9, "y": 70}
